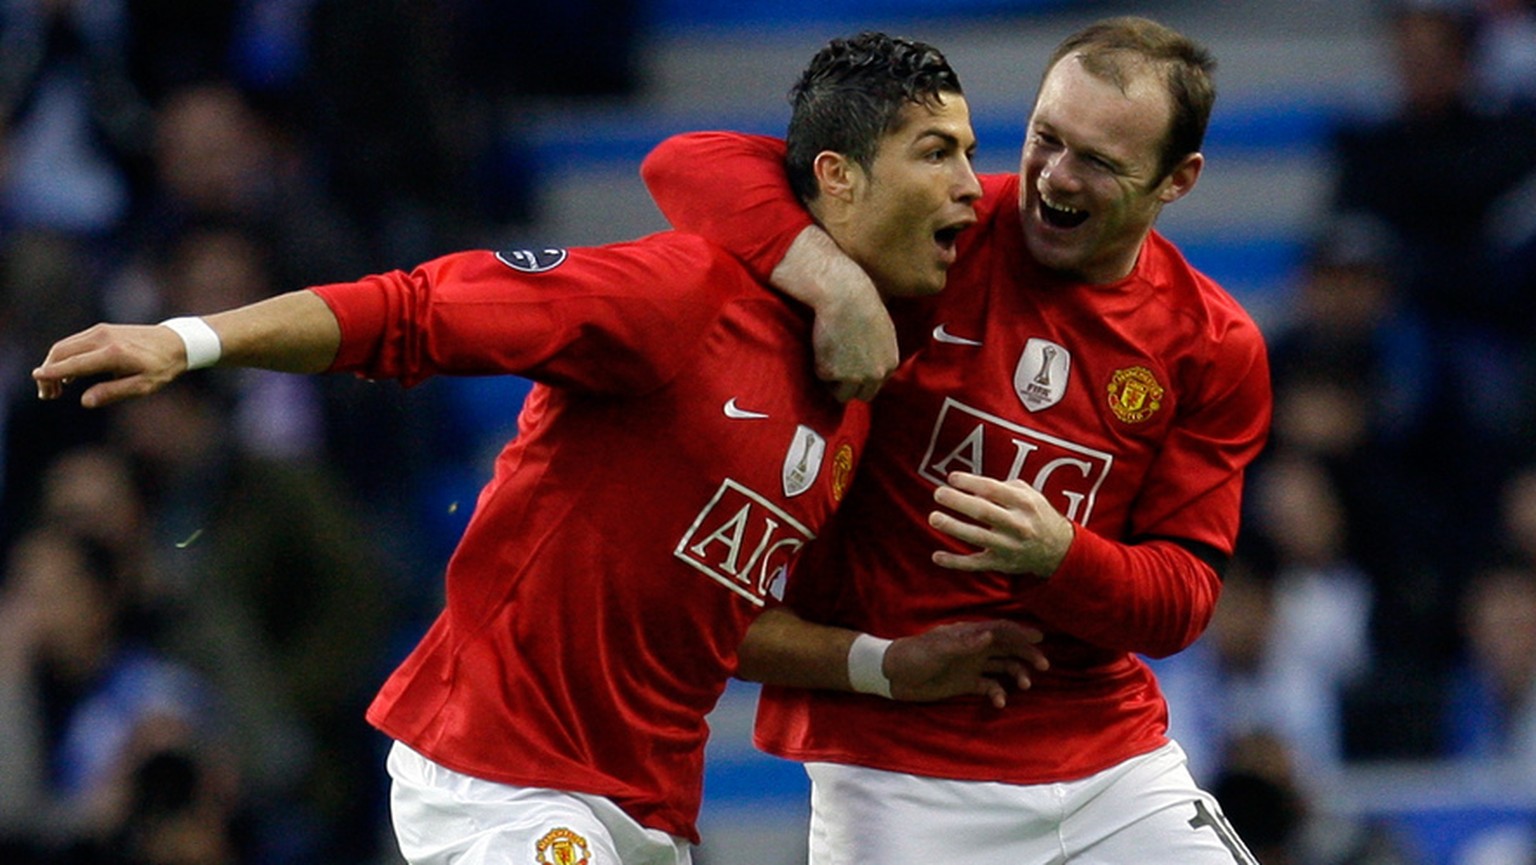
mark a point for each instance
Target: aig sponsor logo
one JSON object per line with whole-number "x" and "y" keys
{"x": 743, "y": 541}
{"x": 966, "y": 439}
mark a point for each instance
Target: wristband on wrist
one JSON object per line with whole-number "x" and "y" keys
{"x": 202, "y": 343}
{"x": 866, "y": 661}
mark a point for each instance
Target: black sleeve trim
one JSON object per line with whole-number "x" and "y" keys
{"x": 1214, "y": 558}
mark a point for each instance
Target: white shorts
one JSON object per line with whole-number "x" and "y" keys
{"x": 443, "y": 817}
{"x": 1146, "y": 811}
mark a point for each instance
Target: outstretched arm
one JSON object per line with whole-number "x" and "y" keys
{"x": 294, "y": 332}
{"x": 950, "y": 660}
{"x": 762, "y": 223}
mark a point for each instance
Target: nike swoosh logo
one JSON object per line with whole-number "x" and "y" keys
{"x": 732, "y": 410}
{"x": 942, "y": 334}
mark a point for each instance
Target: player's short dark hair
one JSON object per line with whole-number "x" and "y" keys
{"x": 852, "y": 94}
{"x": 1112, "y": 49}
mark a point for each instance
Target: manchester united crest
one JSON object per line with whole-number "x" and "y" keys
{"x": 842, "y": 471}
{"x": 562, "y": 847}
{"x": 1134, "y": 394}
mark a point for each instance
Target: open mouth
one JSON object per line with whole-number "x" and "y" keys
{"x": 945, "y": 237}
{"x": 1061, "y": 216}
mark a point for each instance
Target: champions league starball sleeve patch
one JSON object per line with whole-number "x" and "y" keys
{"x": 529, "y": 260}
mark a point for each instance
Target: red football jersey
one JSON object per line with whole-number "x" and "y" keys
{"x": 675, "y": 453}
{"x": 1134, "y": 406}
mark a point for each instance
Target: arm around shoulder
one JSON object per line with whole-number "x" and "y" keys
{"x": 762, "y": 223}
{"x": 731, "y": 188}
{"x": 853, "y": 336}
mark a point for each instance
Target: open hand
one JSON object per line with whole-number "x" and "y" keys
{"x": 137, "y": 359}
{"x": 964, "y": 658}
{"x": 1016, "y": 529}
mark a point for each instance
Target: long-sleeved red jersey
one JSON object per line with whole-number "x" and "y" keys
{"x": 674, "y": 455}
{"x": 1134, "y": 406}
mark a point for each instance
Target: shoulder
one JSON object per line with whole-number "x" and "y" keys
{"x": 997, "y": 229}
{"x": 1214, "y": 344}
{"x": 999, "y": 196}
{"x": 1195, "y": 295}
{"x": 667, "y": 271}
{"x": 667, "y": 254}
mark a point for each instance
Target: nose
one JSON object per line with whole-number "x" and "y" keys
{"x": 1054, "y": 172}
{"x": 967, "y": 185}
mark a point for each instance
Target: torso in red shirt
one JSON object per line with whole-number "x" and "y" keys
{"x": 1134, "y": 406}
{"x": 674, "y": 455}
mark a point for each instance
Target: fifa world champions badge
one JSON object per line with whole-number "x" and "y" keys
{"x": 803, "y": 461}
{"x": 563, "y": 847}
{"x": 1040, "y": 379}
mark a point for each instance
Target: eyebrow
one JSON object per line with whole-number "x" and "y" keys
{"x": 1118, "y": 165}
{"x": 949, "y": 138}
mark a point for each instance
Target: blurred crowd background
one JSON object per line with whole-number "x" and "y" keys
{"x": 200, "y": 591}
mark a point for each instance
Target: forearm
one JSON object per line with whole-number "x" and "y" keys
{"x": 294, "y": 332}
{"x": 783, "y": 649}
{"x": 986, "y": 659}
{"x": 1154, "y": 598}
{"x": 756, "y": 219}
{"x": 290, "y": 333}
{"x": 759, "y": 221}
{"x": 820, "y": 275}
{"x": 763, "y": 224}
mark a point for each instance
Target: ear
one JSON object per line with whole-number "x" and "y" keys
{"x": 1182, "y": 179}
{"x": 836, "y": 175}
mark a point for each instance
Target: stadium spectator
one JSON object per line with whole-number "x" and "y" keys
{"x": 1464, "y": 239}
{"x": 276, "y": 596}
{"x": 78, "y": 690}
{"x": 1492, "y": 710}
{"x": 76, "y": 127}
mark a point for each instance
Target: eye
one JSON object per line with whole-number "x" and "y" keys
{"x": 1047, "y": 141}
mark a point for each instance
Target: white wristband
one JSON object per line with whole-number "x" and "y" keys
{"x": 866, "y": 662}
{"x": 202, "y": 343}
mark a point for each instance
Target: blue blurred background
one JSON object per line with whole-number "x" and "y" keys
{"x": 265, "y": 548}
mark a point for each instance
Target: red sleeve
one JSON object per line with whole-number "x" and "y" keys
{"x": 728, "y": 187}
{"x": 624, "y": 317}
{"x": 1151, "y": 595}
{"x": 1153, "y": 598}
{"x": 1194, "y": 487}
